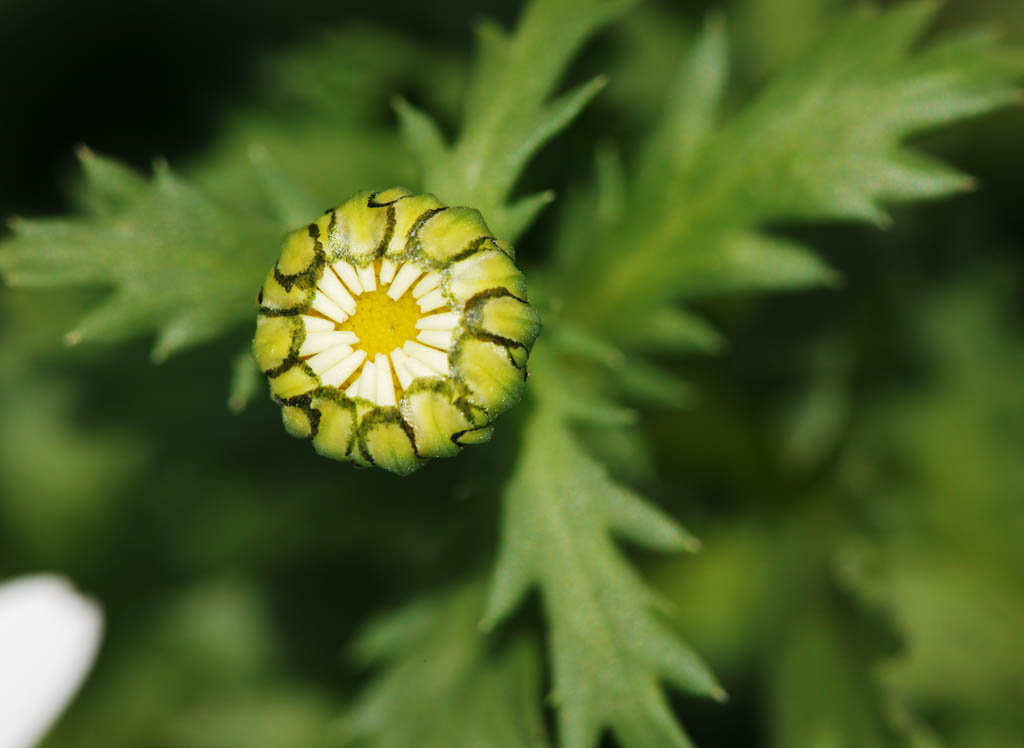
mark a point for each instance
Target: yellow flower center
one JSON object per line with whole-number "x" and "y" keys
{"x": 383, "y": 324}
{"x": 374, "y": 329}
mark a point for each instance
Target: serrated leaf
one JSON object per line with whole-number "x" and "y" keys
{"x": 181, "y": 267}
{"x": 750, "y": 262}
{"x": 509, "y": 114}
{"x": 290, "y": 203}
{"x": 947, "y": 455}
{"x": 442, "y": 684}
{"x": 821, "y": 695}
{"x": 420, "y": 133}
{"x": 609, "y": 651}
{"x": 692, "y": 108}
{"x": 824, "y": 141}
{"x": 520, "y": 214}
{"x": 246, "y": 381}
{"x": 633, "y": 377}
{"x": 572, "y": 340}
{"x": 672, "y": 330}
{"x": 109, "y": 185}
{"x": 650, "y": 385}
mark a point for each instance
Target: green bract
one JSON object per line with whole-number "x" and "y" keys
{"x": 394, "y": 329}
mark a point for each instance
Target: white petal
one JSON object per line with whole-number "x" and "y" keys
{"x": 337, "y": 374}
{"x": 438, "y": 338}
{"x": 443, "y": 321}
{"x": 328, "y": 308}
{"x": 368, "y": 382}
{"x": 367, "y": 278}
{"x": 348, "y": 274}
{"x": 317, "y": 324}
{"x": 432, "y": 300}
{"x": 331, "y": 286}
{"x": 403, "y": 279}
{"x": 385, "y": 384}
{"x": 49, "y": 635}
{"x": 353, "y": 389}
{"x": 321, "y": 341}
{"x": 435, "y": 359}
{"x": 324, "y": 360}
{"x": 387, "y": 271}
{"x": 429, "y": 283}
{"x": 398, "y": 360}
{"x": 419, "y": 369}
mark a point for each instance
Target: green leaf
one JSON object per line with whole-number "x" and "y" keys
{"x": 180, "y": 266}
{"x": 821, "y": 694}
{"x": 634, "y": 377}
{"x": 509, "y": 112}
{"x": 608, "y": 648}
{"x": 442, "y": 683}
{"x": 420, "y": 133}
{"x": 185, "y": 256}
{"x": 671, "y": 330}
{"x": 290, "y": 203}
{"x": 653, "y": 386}
{"x": 246, "y": 381}
{"x": 823, "y": 141}
{"x": 747, "y": 263}
{"x": 945, "y": 557}
{"x": 692, "y": 108}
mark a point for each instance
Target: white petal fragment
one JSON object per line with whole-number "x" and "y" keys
{"x": 368, "y": 382}
{"x": 443, "y": 321}
{"x": 353, "y": 389}
{"x": 49, "y": 635}
{"x": 327, "y": 358}
{"x": 337, "y": 374}
{"x": 438, "y": 338}
{"x": 367, "y": 278}
{"x": 429, "y": 283}
{"x": 317, "y": 324}
{"x": 328, "y": 308}
{"x": 399, "y": 359}
{"x": 403, "y": 279}
{"x": 433, "y": 300}
{"x": 321, "y": 341}
{"x": 385, "y": 384}
{"x": 419, "y": 369}
{"x": 387, "y": 271}
{"x": 336, "y": 292}
{"x": 348, "y": 274}
{"x": 435, "y": 359}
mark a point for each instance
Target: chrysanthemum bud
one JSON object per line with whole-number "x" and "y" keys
{"x": 394, "y": 329}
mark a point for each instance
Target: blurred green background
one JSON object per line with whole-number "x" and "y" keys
{"x": 853, "y": 460}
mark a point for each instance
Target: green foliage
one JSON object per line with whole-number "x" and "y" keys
{"x": 507, "y": 113}
{"x": 183, "y": 253}
{"x": 469, "y": 691}
{"x": 802, "y": 150}
{"x": 608, "y": 649}
{"x": 862, "y": 558}
{"x": 177, "y": 259}
{"x": 223, "y": 635}
{"x": 951, "y": 579}
{"x": 51, "y": 462}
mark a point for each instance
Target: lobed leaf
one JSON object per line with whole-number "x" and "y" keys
{"x": 823, "y": 141}
{"x": 509, "y": 114}
{"x": 609, "y": 651}
{"x": 181, "y": 266}
{"x": 442, "y": 684}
